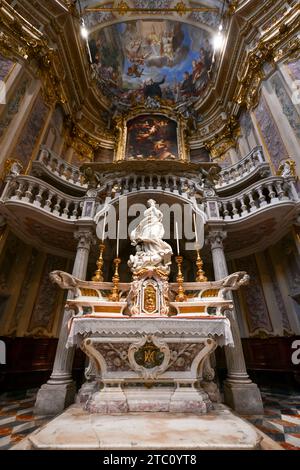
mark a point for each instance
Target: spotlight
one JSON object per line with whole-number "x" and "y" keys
{"x": 218, "y": 41}
{"x": 83, "y": 31}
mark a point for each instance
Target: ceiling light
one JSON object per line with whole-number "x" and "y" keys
{"x": 83, "y": 31}
{"x": 218, "y": 41}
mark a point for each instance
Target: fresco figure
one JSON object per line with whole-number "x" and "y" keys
{"x": 130, "y": 58}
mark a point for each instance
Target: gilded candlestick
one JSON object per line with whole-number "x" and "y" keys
{"x": 181, "y": 297}
{"x": 115, "y": 296}
{"x": 98, "y": 277}
{"x": 200, "y": 273}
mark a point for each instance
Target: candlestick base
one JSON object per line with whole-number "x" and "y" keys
{"x": 200, "y": 273}
{"x": 115, "y": 295}
{"x": 98, "y": 276}
{"x": 181, "y": 296}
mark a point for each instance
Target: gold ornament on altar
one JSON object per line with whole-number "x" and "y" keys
{"x": 150, "y": 299}
{"x": 181, "y": 296}
{"x": 200, "y": 273}
{"x": 98, "y": 277}
{"x": 115, "y": 295}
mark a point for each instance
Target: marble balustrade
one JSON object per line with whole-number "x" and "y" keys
{"x": 230, "y": 177}
{"x": 240, "y": 171}
{"x": 58, "y": 167}
{"x": 271, "y": 191}
{"x": 41, "y": 195}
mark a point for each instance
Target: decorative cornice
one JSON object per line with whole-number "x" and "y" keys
{"x": 122, "y": 8}
{"x": 20, "y": 40}
{"x": 275, "y": 44}
{"x": 224, "y": 139}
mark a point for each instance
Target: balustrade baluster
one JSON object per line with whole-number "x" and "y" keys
{"x": 261, "y": 197}
{"x": 134, "y": 186}
{"x": 244, "y": 207}
{"x": 66, "y": 210}
{"x": 280, "y": 190}
{"x": 272, "y": 194}
{"x": 19, "y": 191}
{"x": 28, "y": 193}
{"x": 226, "y": 211}
{"x": 159, "y": 185}
{"x": 150, "y": 182}
{"x": 48, "y": 202}
{"x": 57, "y": 207}
{"x": 126, "y": 185}
{"x": 75, "y": 211}
{"x": 235, "y": 210}
{"x": 38, "y": 198}
{"x": 76, "y": 177}
{"x": 174, "y": 184}
{"x": 252, "y": 202}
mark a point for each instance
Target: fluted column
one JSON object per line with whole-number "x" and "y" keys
{"x": 239, "y": 391}
{"x": 59, "y": 392}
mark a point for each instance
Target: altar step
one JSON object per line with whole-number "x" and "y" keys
{"x": 76, "y": 429}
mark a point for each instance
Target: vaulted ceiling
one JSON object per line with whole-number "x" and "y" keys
{"x": 134, "y": 55}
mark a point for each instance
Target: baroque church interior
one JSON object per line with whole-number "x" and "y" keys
{"x": 149, "y": 224}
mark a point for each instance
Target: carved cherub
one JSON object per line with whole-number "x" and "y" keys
{"x": 90, "y": 177}
{"x": 211, "y": 176}
{"x": 287, "y": 168}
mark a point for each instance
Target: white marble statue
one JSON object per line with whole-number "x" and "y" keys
{"x": 151, "y": 250}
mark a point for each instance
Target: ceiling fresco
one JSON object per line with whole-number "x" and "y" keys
{"x": 153, "y": 61}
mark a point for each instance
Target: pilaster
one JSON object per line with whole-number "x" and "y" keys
{"x": 59, "y": 392}
{"x": 239, "y": 391}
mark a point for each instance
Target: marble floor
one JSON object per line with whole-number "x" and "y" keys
{"x": 281, "y": 420}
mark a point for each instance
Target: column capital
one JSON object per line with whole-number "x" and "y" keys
{"x": 85, "y": 238}
{"x": 215, "y": 238}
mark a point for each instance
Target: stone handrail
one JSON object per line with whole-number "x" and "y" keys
{"x": 270, "y": 191}
{"x": 120, "y": 186}
{"x": 243, "y": 169}
{"x": 39, "y": 194}
{"x": 230, "y": 176}
{"x": 59, "y": 168}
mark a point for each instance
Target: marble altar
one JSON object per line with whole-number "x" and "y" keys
{"x": 149, "y": 342}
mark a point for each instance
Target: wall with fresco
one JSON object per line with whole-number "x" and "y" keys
{"x": 30, "y": 305}
{"x": 6, "y": 66}
{"x": 269, "y": 305}
{"x": 31, "y": 132}
{"x": 275, "y": 122}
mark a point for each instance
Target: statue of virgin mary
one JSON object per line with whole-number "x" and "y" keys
{"x": 151, "y": 250}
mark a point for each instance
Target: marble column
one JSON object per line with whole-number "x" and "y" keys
{"x": 240, "y": 393}
{"x": 59, "y": 392}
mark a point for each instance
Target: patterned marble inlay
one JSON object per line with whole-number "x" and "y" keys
{"x": 31, "y": 132}
{"x": 256, "y": 308}
{"x": 5, "y": 67}
{"x": 270, "y": 133}
{"x": 288, "y": 108}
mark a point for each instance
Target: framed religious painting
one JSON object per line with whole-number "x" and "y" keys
{"x": 151, "y": 137}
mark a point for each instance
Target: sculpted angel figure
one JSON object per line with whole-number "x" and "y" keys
{"x": 152, "y": 250}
